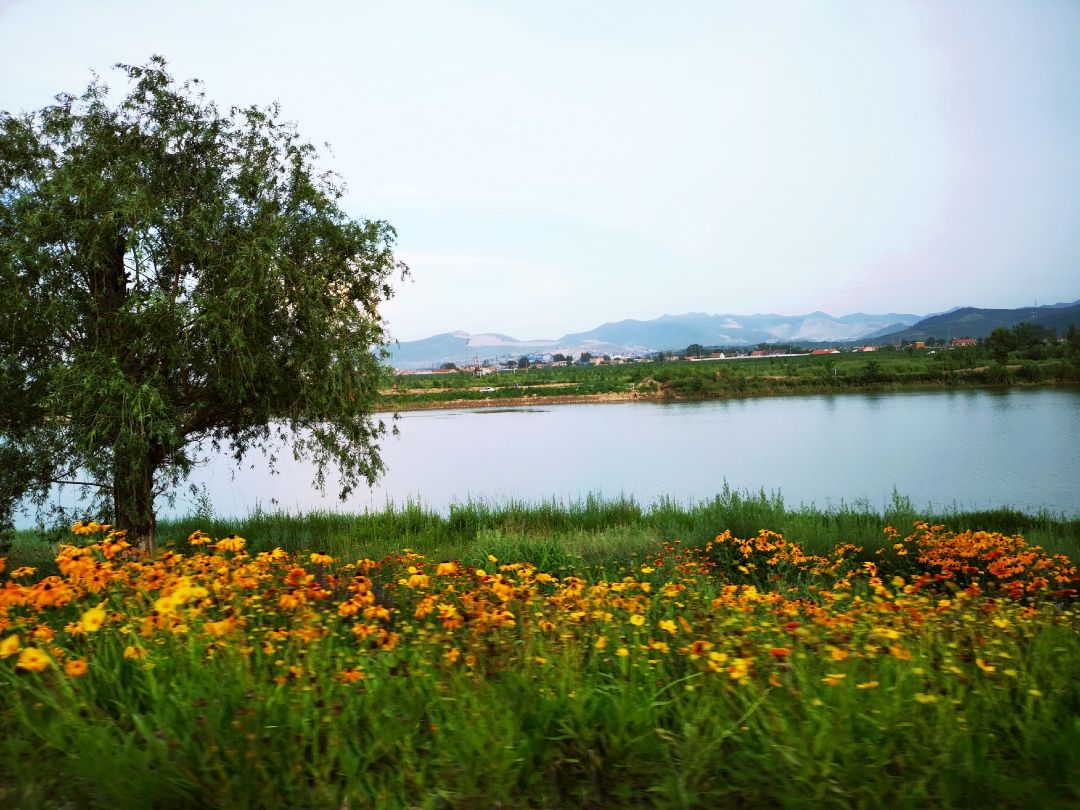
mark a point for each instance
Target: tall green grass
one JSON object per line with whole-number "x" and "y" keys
{"x": 595, "y": 531}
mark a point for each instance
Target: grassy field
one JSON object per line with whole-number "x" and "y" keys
{"x": 730, "y": 378}
{"x": 735, "y": 653}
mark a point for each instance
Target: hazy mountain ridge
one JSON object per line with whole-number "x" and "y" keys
{"x": 631, "y": 336}
{"x": 674, "y": 332}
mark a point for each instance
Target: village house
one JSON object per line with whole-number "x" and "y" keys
{"x": 963, "y": 342}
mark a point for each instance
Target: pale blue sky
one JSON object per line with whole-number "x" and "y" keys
{"x": 550, "y": 166}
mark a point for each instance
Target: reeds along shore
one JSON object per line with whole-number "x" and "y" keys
{"x": 544, "y": 656}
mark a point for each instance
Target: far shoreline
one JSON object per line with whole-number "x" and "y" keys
{"x": 661, "y": 399}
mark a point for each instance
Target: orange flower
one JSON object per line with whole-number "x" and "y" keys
{"x": 350, "y": 675}
{"x": 779, "y": 652}
{"x": 76, "y": 668}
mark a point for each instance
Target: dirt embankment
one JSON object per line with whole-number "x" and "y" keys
{"x": 527, "y": 400}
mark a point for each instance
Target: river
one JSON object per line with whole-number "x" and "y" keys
{"x": 944, "y": 449}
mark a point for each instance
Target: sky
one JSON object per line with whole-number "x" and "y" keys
{"x": 551, "y": 166}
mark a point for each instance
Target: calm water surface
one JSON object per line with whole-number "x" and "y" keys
{"x": 969, "y": 449}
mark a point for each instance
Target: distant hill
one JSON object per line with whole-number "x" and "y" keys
{"x": 977, "y": 323}
{"x": 679, "y": 331}
{"x": 666, "y": 333}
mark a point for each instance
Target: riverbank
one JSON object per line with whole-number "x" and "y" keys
{"x": 388, "y": 405}
{"x": 689, "y": 381}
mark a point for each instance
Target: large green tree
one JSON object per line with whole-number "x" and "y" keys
{"x": 173, "y": 277}
{"x": 1000, "y": 343}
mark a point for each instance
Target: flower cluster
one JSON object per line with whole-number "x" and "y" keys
{"x": 684, "y": 612}
{"x": 987, "y": 562}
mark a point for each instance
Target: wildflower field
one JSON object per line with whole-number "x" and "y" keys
{"x": 938, "y": 668}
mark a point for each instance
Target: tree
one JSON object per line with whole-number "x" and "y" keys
{"x": 523, "y": 362}
{"x": 1032, "y": 334}
{"x": 175, "y": 277}
{"x": 1000, "y": 343}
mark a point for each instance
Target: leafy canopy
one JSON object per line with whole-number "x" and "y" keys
{"x": 174, "y": 277}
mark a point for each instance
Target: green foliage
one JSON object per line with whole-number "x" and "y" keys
{"x": 728, "y": 378}
{"x": 172, "y": 275}
{"x": 1001, "y": 342}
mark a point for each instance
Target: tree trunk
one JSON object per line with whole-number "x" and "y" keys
{"x": 133, "y": 498}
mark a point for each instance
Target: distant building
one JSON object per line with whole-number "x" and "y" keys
{"x": 964, "y": 342}
{"x": 824, "y": 351}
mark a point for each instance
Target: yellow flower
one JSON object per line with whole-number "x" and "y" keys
{"x": 833, "y": 678}
{"x": 92, "y": 620}
{"x": 9, "y": 646}
{"x": 622, "y": 652}
{"x": 198, "y": 538}
{"x": 446, "y": 569}
{"x": 134, "y": 653}
{"x": 22, "y": 571}
{"x": 320, "y": 558}
{"x": 637, "y": 620}
{"x": 867, "y": 685}
{"x": 33, "y": 659}
{"x": 76, "y": 668}
{"x": 601, "y": 642}
{"x": 230, "y": 543}
{"x": 922, "y": 697}
{"x": 668, "y": 625}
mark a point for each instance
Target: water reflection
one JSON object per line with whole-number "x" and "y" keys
{"x": 971, "y": 449}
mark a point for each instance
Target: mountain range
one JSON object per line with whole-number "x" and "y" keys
{"x": 674, "y": 332}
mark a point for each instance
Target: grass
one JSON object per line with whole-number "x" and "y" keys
{"x": 595, "y": 654}
{"x": 595, "y": 529}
